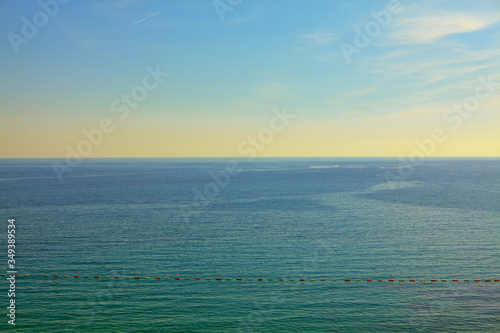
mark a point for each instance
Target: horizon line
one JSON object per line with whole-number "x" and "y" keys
{"x": 259, "y": 157}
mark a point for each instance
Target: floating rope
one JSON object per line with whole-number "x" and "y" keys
{"x": 250, "y": 279}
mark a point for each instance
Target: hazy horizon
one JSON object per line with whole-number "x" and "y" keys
{"x": 128, "y": 78}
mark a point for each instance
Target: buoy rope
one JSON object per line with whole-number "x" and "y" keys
{"x": 251, "y": 279}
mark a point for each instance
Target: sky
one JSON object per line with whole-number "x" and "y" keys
{"x": 244, "y": 78}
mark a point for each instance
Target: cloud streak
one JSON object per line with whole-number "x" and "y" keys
{"x": 147, "y": 17}
{"x": 318, "y": 38}
{"x": 427, "y": 29}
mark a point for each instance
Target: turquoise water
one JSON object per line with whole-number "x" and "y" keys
{"x": 275, "y": 218}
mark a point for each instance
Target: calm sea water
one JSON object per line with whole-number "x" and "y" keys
{"x": 269, "y": 219}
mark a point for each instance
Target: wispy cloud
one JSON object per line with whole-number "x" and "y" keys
{"x": 428, "y": 28}
{"x": 82, "y": 38}
{"x": 240, "y": 20}
{"x": 318, "y": 38}
{"x": 116, "y": 4}
{"x": 145, "y": 18}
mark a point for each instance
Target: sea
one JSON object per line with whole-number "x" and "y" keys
{"x": 261, "y": 245}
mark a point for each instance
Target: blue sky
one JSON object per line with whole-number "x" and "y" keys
{"x": 226, "y": 76}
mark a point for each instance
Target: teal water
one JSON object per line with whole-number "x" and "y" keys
{"x": 276, "y": 218}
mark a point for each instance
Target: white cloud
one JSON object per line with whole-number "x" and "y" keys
{"x": 318, "y": 38}
{"x": 427, "y": 28}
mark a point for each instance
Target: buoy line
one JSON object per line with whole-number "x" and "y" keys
{"x": 136, "y": 277}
